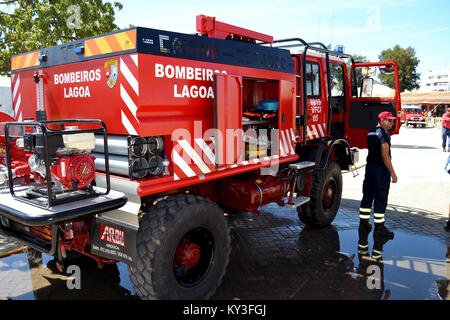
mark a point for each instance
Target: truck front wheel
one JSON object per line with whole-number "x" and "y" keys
{"x": 183, "y": 246}
{"x": 326, "y": 192}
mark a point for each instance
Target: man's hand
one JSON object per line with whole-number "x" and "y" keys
{"x": 394, "y": 178}
{"x": 387, "y": 161}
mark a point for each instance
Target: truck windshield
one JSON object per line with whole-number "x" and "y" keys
{"x": 413, "y": 110}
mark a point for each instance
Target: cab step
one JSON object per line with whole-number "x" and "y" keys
{"x": 302, "y": 165}
{"x": 297, "y": 201}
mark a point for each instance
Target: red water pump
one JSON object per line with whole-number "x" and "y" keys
{"x": 74, "y": 172}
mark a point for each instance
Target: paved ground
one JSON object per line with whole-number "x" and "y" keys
{"x": 275, "y": 256}
{"x": 419, "y": 163}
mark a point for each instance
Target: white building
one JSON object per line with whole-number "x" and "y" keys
{"x": 436, "y": 81}
{"x": 5, "y": 96}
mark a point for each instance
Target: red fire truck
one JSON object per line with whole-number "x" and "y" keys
{"x": 412, "y": 115}
{"x": 130, "y": 146}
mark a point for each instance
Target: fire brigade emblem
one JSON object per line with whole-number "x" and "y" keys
{"x": 112, "y": 71}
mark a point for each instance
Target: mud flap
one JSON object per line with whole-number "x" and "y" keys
{"x": 113, "y": 240}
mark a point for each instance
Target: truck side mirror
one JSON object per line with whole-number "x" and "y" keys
{"x": 389, "y": 69}
{"x": 366, "y": 87}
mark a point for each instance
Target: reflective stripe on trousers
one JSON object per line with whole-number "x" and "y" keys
{"x": 364, "y": 213}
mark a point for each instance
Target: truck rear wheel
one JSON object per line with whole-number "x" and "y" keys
{"x": 326, "y": 192}
{"x": 183, "y": 246}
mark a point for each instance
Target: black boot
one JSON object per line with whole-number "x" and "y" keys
{"x": 447, "y": 226}
{"x": 379, "y": 242}
{"x": 364, "y": 227}
{"x": 382, "y": 231}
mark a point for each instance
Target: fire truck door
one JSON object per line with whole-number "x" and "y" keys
{"x": 228, "y": 119}
{"x": 374, "y": 88}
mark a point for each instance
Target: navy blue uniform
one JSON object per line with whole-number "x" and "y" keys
{"x": 377, "y": 179}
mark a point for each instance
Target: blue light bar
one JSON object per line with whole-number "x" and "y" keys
{"x": 339, "y": 48}
{"x": 79, "y": 50}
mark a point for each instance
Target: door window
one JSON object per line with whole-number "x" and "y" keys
{"x": 374, "y": 82}
{"x": 337, "y": 80}
{"x": 313, "y": 80}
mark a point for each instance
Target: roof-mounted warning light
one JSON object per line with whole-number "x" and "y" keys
{"x": 79, "y": 50}
{"x": 339, "y": 48}
{"x": 215, "y": 29}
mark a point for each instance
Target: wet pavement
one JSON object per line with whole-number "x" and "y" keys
{"x": 275, "y": 256}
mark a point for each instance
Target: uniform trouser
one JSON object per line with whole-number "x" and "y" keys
{"x": 445, "y": 137}
{"x": 376, "y": 185}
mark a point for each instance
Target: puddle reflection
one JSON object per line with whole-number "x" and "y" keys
{"x": 331, "y": 263}
{"x": 35, "y": 276}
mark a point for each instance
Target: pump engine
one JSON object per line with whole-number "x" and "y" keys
{"x": 72, "y": 166}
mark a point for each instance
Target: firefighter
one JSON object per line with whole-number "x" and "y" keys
{"x": 447, "y": 168}
{"x": 446, "y": 130}
{"x": 377, "y": 179}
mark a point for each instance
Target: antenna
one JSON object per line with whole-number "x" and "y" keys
{"x": 332, "y": 29}
{"x": 318, "y": 31}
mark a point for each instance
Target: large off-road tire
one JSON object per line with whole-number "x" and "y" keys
{"x": 183, "y": 245}
{"x": 326, "y": 193}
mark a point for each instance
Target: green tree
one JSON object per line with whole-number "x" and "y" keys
{"x": 407, "y": 65}
{"x": 27, "y": 25}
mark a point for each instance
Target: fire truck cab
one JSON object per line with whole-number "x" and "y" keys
{"x": 413, "y": 115}
{"x": 130, "y": 146}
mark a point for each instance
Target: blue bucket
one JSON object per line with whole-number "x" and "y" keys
{"x": 268, "y": 106}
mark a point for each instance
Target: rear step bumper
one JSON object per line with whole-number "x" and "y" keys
{"x": 47, "y": 247}
{"x": 30, "y": 215}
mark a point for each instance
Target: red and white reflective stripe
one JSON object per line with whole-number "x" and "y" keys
{"x": 196, "y": 160}
{"x": 181, "y": 168}
{"x": 291, "y": 140}
{"x": 129, "y": 76}
{"x": 129, "y": 92}
{"x": 316, "y": 131}
{"x": 287, "y": 142}
{"x": 207, "y": 152}
{"x": 127, "y": 124}
{"x": 199, "y": 159}
{"x": 16, "y": 97}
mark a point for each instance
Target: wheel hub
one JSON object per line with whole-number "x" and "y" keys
{"x": 187, "y": 254}
{"x": 329, "y": 195}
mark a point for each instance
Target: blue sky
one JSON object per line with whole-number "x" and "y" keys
{"x": 364, "y": 27}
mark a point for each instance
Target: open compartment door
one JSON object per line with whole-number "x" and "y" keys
{"x": 228, "y": 119}
{"x": 375, "y": 87}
